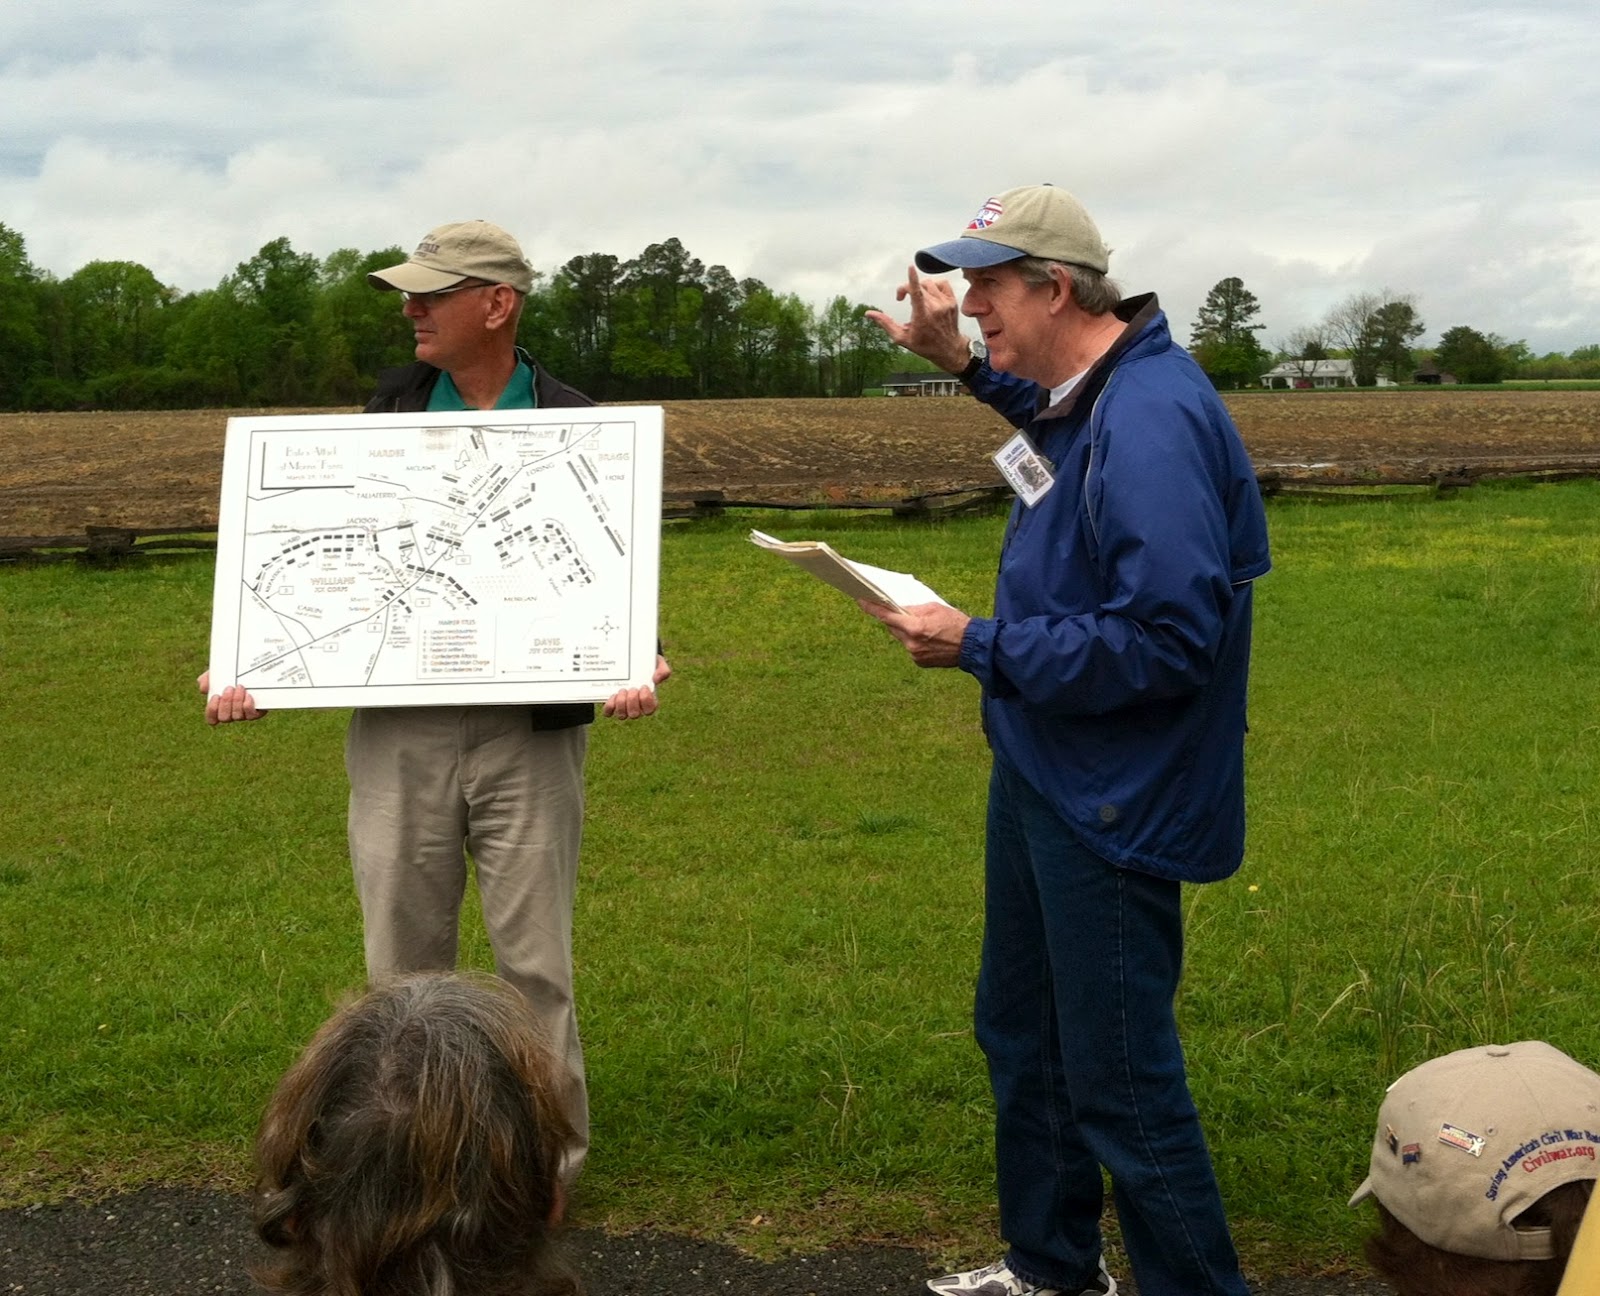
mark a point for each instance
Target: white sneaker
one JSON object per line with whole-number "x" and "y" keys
{"x": 998, "y": 1280}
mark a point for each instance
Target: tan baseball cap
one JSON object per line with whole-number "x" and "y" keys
{"x": 1036, "y": 221}
{"x": 474, "y": 249}
{"x": 1470, "y": 1140}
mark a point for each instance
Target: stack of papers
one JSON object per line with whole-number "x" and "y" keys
{"x": 895, "y": 590}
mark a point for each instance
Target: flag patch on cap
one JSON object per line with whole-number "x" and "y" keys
{"x": 1460, "y": 1138}
{"x": 1410, "y": 1154}
{"x": 988, "y": 214}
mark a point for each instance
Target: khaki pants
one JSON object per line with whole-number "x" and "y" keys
{"x": 426, "y": 782}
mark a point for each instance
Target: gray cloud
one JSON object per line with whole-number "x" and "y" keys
{"x": 1411, "y": 145}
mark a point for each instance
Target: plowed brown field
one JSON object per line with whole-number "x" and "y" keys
{"x": 62, "y": 472}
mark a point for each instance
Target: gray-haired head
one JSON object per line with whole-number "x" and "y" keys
{"x": 414, "y": 1149}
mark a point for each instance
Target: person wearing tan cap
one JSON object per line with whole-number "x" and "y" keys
{"x": 1113, "y": 679}
{"x": 1482, "y": 1166}
{"x": 463, "y": 290}
{"x": 504, "y": 782}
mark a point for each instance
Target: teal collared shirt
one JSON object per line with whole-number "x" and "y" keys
{"x": 518, "y": 393}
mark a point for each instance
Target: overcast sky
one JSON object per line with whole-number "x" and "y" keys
{"x": 1448, "y": 151}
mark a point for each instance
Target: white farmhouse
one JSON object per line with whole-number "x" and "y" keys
{"x": 922, "y": 384}
{"x": 1307, "y": 374}
{"x": 1311, "y": 373}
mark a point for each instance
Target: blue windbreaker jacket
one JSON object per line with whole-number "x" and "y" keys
{"x": 1114, "y": 669}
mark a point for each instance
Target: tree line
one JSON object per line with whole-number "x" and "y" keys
{"x": 289, "y": 328}
{"x": 1376, "y": 332}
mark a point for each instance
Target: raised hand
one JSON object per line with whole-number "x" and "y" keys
{"x": 934, "y": 329}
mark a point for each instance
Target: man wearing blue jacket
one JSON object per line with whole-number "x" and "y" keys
{"x": 1114, "y": 675}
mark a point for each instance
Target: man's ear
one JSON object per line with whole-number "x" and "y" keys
{"x": 1060, "y": 288}
{"x": 502, "y": 309}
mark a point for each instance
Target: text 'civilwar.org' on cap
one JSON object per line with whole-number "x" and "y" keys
{"x": 1470, "y": 1140}
{"x": 1033, "y": 221}
{"x": 473, "y": 249}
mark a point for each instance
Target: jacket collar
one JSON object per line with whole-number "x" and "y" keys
{"x": 1137, "y": 314}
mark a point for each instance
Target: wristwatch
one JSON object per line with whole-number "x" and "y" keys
{"x": 980, "y": 353}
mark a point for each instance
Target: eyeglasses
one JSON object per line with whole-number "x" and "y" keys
{"x": 429, "y": 300}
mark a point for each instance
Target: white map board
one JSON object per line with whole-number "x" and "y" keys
{"x": 438, "y": 559}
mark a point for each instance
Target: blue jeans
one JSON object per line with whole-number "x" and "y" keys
{"x": 1081, "y": 961}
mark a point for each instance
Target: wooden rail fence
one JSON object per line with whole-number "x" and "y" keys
{"x": 112, "y": 544}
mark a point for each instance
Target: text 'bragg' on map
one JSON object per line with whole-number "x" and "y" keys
{"x": 439, "y": 559}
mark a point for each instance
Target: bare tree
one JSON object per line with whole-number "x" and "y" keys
{"x": 1372, "y": 327}
{"x": 1352, "y": 325}
{"x": 1304, "y": 347}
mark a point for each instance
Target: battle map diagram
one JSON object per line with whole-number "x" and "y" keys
{"x": 438, "y": 559}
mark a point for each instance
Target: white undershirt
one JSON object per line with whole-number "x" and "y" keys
{"x": 1059, "y": 393}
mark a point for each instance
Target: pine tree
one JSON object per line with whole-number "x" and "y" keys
{"x": 1224, "y": 340}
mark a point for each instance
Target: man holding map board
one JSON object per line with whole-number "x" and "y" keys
{"x": 1113, "y": 674}
{"x": 503, "y": 781}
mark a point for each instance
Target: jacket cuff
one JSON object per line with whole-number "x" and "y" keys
{"x": 977, "y": 650}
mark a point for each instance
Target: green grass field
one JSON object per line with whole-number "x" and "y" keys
{"x": 781, "y": 898}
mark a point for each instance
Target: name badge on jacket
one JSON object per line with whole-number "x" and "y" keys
{"x": 1025, "y": 469}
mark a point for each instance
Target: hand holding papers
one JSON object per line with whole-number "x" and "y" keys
{"x": 932, "y": 635}
{"x": 895, "y": 590}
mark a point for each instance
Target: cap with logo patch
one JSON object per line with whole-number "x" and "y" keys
{"x": 473, "y": 249}
{"x": 1468, "y": 1141}
{"x": 1033, "y": 221}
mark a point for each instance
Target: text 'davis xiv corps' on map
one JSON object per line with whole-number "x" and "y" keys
{"x": 421, "y": 559}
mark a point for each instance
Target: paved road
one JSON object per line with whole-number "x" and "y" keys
{"x": 174, "y": 1242}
